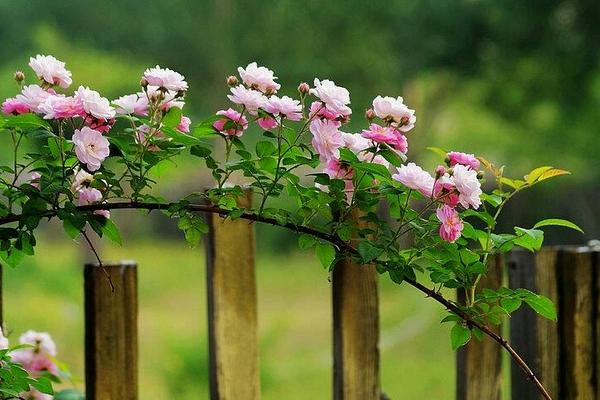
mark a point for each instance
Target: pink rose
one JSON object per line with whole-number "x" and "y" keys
{"x": 468, "y": 160}
{"x": 94, "y": 104}
{"x": 451, "y": 226}
{"x": 260, "y": 78}
{"x": 14, "y": 106}
{"x": 320, "y": 110}
{"x": 267, "y": 123}
{"x": 444, "y": 190}
{"x": 132, "y": 104}
{"x": 33, "y": 96}
{"x": 387, "y": 135}
{"x": 91, "y": 147}
{"x": 468, "y": 186}
{"x": 414, "y": 177}
{"x": 81, "y": 180}
{"x": 284, "y": 107}
{"x": 165, "y": 78}
{"x": 51, "y": 70}
{"x": 58, "y": 107}
{"x": 394, "y": 109}
{"x": 251, "y": 99}
{"x": 88, "y": 196}
{"x": 336, "y": 98}
{"x": 184, "y": 124}
{"x": 233, "y": 123}
{"x": 327, "y": 139}
{"x": 359, "y": 146}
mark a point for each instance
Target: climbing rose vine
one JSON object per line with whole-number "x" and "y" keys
{"x": 29, "y": 369}
{"x": 78, "y": 155}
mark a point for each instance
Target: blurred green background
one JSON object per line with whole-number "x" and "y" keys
{"x": 515, "y": 81}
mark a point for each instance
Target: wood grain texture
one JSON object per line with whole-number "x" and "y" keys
{"x": 547, "y": 358}
{"x": 355, "y": 332}
{"x": 232, "y": 308}
{"x": 111, "y": 347}
{"x": 479, "y": 364}
{"x": 577, "y": 325}
{"x": 535, "y": 338}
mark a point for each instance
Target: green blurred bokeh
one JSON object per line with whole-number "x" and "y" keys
{"x": 515, "y": 81}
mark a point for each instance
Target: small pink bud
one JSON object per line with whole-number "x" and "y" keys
{"x": 232, "y": 81}
{"x": 303, "y": 88}
{"x": 19, "y": 76}
{"x": 440, "y": 171}
{"x": 370, "y": 114}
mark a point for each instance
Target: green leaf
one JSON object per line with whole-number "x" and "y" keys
{"x": 306, "y": 241}
{"x": 557, "y": 222}
{"x": 200, "y": 151}
{"x": 530, "y": 239}
{"x": 43, "y": 384}
{"x": 377, "y": 170}
{"x": 172, "y": 118}
{"x": 265, "y": 148}
{"x": 543, "y": 173}
{"x": 325, "y": 253}
{"x": 178, "y": 136}
{"x": 368, "y": 251}
{"x": 542, "y": 305}
{"x": 510, "y": 305}
{"x": 513, "y": 183}
{"x": 348, "y": 155}
{"x": 459, "y": 336}
{"x": 111, "y": 231}
{"x": 26, "y": 121}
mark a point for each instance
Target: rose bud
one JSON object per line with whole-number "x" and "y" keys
{"x": 440, "y": 171}
{"x": 303, "y": 88}
{"x": 19, "y": 76}
{"x": 232, "y": 81}
{"x": 370, "y": 114}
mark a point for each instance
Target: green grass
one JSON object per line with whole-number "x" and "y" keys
{"x": 45, "y": 293}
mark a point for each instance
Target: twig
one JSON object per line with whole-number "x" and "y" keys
{"x": 100, "y": 264}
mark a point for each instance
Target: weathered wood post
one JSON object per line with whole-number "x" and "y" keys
{"x": 562, "y": 354}
{"x": 232, "y": 315}
{"x": 355, "y": 332}
{"x": 111, "y": 351}
{"x": 479, "y": 364}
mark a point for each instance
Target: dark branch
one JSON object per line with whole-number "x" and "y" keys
{"x": 333, "y": 239}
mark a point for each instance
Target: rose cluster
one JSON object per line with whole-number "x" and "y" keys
{"x": 457, "y": 185}
{"x": 37, "y": 357}
{"x": 92, "y": 116}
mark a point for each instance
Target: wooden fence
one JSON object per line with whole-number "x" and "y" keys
{"x": 566, "y": 354}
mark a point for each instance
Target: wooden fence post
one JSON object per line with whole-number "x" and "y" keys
{"x": 577, "y": 324}
{"x": 111, "y": 351}
{"x": 355, "y": 332}
{"x": 536, "y": 339}
{"x": 479, "y": 364}
{"x": 232, "y": 315}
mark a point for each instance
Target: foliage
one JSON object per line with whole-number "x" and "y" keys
{"x": 90, "y": 157}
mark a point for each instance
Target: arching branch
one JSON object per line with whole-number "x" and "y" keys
{"x": 333, "y": 239}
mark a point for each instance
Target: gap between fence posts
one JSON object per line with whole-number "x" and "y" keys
{"x": 232, "y": 308}
{"x": 111, "y": 347}
{"x": 355, "y": 331}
